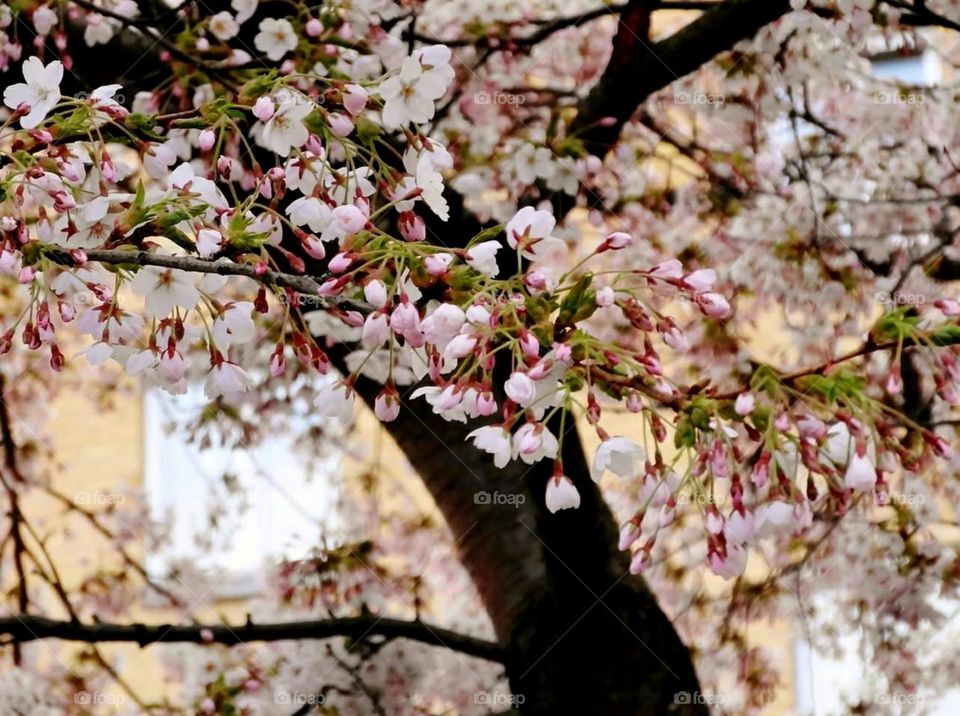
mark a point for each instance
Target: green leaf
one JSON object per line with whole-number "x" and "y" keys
{"x": 842, "y": 384}
{"x": 686, "y": 434}
{"x": 765, "y": 380}
{"x": 486, "y": 235}
{"x": 259, "y": 86}
{"x": 367, "y": 131}
{"x": 579, "y": 303}
{"x": 948, "y": 335}
{"x": 540, "y": 307}
{"x": 895, "y": 325}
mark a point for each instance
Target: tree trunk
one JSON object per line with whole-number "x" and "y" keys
{"x": 583, "y": 634}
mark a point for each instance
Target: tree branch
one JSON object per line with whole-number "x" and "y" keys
{"x": 302, "y": 284}
{"x": 29, "y": 627}
{"x": 546, "y": 28}
{"x": 636, "y": 69}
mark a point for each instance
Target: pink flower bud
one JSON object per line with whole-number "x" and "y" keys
{"x": 108, "y": 170}
{"x": 811, "y": 427}
{"x": 894, "y": 382}
{"x": 641, "y": 560}
{"x": 629, "y": 534}
{"x": 263, "y": 109}
{"x": 615, "y": 241}
{"x": 521, "y": 389}
{"x": 713, "y": 305}
{"x": 376, "y": 293}
{"x": 314, "y": 247}
{"x": 486, "y": 404}
{"x": 702, "y": 280}
{"x": 948, "y": 306}
{"x": 535, "y": 280}
{"x": 744, "y": 404}
{"x": 340, "y": 263}
{"x": 56, "y": 358}
{"x": 225, "y": 167}
{"x": 41, "y": 136}
{"x": 405, "y": 318}
{"x": 530, "y": 345}
{"x": 676, "y": 339}
{"x": 605, "y": 297}
{"x": 438, "y": 264}
{"x": 340, "y": 124}
{"x": 668, "y": 269}
{"x": 387, "y": 406}
{"x": 412, "y": 227}
{"x": 541, "y": 370}
{"x": 354, "y": 99}
{"x": 278, "y": 362}
{"x": 313, "y": 27}
{"x": 330, "y": 287}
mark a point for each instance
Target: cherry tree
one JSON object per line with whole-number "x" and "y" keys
{"x": 538, "y": 240}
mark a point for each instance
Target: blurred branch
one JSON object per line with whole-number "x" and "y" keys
{"x": 637, "y": 69}
{"x": 922, "y": 16}
{"x": 28, "y": 627}
{"x": 16, "y": 516}
{"x": 552, "y": 26}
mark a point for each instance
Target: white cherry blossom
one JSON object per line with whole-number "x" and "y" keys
{"x": 40, "y": 92}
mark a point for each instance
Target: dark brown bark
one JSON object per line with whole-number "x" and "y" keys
{"x": 637, "y": 68}
{"x": 29, "y": 627}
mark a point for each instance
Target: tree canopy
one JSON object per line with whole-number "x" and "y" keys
{"x": 657, "y": 298}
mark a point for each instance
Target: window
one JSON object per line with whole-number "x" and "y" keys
{"x": 829, "y": 685}
{"x": 921, "y": 68}
{"x": 286, "y": 508}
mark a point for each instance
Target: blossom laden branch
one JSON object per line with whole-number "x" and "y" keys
{"x": 259, "y": 273}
